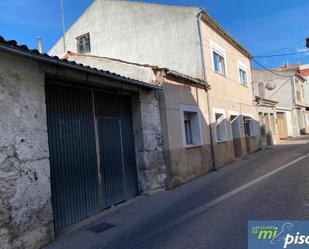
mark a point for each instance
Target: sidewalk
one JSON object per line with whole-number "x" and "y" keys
{"x": 132, "y": 223}
{"x": 304, "y": 139}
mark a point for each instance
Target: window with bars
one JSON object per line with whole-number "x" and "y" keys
{"x": 249, "y": 127}
{"x": 188, "y": 128}
{"x": 83, "y": 44}
{"x": 191, "y": 126}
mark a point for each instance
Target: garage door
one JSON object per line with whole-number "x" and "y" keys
{"x": 92, "y": 153}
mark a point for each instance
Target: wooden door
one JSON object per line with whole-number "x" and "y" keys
{"x": 281, "y": 125}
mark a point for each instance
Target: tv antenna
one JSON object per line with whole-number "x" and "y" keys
{"x": 63, "y": 26}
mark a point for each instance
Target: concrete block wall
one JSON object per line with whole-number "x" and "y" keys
{"x": 25, "y": 205}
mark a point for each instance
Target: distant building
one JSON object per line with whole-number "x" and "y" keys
{"x": 286, "y": 87}
{"x": 303, "y": 70}
{"x": 267, "y": 110}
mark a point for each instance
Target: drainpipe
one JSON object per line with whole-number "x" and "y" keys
{"x": 210, "y": 116}
{"x": 255, "y": 103}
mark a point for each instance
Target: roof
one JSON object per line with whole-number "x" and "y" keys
{"x": 301, "y": 69}
{"x": 168, "y": 71}
{"x": 213, "y": 23}
{"x": 277, "y": 74}
{"x": 12, "y": 46}
{"x": 288, "y": 67}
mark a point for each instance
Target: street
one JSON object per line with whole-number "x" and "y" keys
{"x": 211, "y": 211}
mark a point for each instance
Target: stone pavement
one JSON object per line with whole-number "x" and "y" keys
{"x": 183, "y": 218}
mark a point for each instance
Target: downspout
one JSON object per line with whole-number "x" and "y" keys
{"x": 255, "y": 103}
{"x": 210, "y": 116}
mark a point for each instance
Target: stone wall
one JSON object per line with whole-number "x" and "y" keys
{"x": 25, "y": 206}
{"x": 149, "y": 142}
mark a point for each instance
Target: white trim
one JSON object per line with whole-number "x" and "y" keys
{"x": 279, "y": 108}
{"x": 220, "y": 111}
{"x": 214, "y": 47}
{"x": 243, "y": 67}
{"x": 195, "y": 109}
{"x": 254, "y": 123}
{"x": 230, "y": 113}
{"x": 247, "y": 115}
{"x": 233, "y": 113}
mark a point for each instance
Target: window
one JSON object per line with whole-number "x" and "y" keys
{"x": 219, "y": 63}
{"x": 191, "y": 126}
{"x": 235, "y": 125}
{"x": 220, "y": 126}
{"x": 249, "y": 127}
{"x": 188, "y": 127}
{"x": 83, "y": 44}
{"x": 243, "y": 76}
{"x": 218, "y": 58}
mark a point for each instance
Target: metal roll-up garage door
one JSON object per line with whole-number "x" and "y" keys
{"x": 92, "y": 154}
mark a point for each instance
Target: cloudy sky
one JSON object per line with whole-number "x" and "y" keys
{"x": 264, "y": 27}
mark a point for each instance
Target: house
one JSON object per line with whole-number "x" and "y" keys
{"x": 183, "y": 39}
{"x": 184, "y": 115}
{"x": 303, "y": 70}
{"x": 267, "y": 110}
{"x": 74, "y": 140}
{"x": 287, "y": 88}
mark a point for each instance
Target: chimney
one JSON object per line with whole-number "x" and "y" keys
{"x": 40, "y": 45}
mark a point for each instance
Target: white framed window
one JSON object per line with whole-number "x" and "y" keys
{"x": 83, "y": 44}
{"x": 218, "y": 58}
{"x": 235, "y": 124}
{"x": 221, "y": 125}
{"x": 250, "y": 125}
{"x": 191, "y": 126}
{"x": 243, "y": 73}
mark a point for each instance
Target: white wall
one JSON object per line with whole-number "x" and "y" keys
{"x": 165, "y": 36}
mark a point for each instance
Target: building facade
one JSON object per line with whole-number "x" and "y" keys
{"x": 188, "y": 41}
{"x": 287, "y": 88}
{"x": 267, "y": 110}
{"x": 74, "y": 140}
{"x": 304, "y": 72}
{"x": 184, "y": 115}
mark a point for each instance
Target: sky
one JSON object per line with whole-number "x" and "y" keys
{"x": 263, "y": 27}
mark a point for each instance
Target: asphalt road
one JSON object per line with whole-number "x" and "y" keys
{"x": 210, "y": 212}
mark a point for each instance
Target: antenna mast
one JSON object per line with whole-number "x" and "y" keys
{"x": 63, "y": 26}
